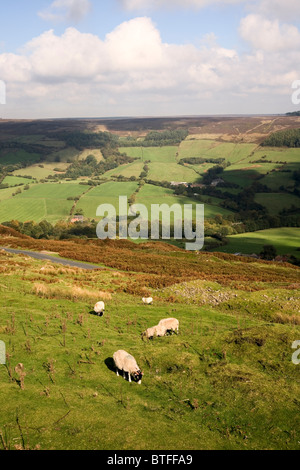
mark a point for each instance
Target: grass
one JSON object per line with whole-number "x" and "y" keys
{"x": 150, "y": 194}
{"x": 22, "y": 209}
{"x": 172, "y": 172}
{"x": 226, "y": 381}
{"x": 276, "y": 202}
{"x": 53, "y": 191}
{"x": 40, "y": 173}
{"x": 107, "y": 193}
{"x": 41, "y": 201}
{"x": 15, "y": 181}
{"x": 128, "y": 170}
{"x": 166, "y": 154}
{"x": 285, "y": 240}
{"x": 95, "y": 152}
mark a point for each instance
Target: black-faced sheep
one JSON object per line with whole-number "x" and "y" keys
{"x": 99, "y": 308}
{"x": 170, "y": 324}
{"x": 157, "y": 330}
{"x": 126, "y": 363}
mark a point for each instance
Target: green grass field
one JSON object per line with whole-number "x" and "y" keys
{"x": 41, "y": 201}
{"x": 225, "y": 382}
{"x": 128, "y": 170}
{"x": 285, "y": 240}
{"x": 165, "y": 154}
{"x": 276, "y": 202}
{"x": 150, "y": 194}
{"x": 42, "y": 170}
{"x": 276, "y": 155}
{"x": 172, "y": 172}
{"x": 107, "y": 193}
{"x": 15, "y": 181}
{"x": 212, "y": 149}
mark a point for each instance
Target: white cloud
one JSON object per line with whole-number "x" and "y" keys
{"x": 154, "y": 4}
{"x": 132, "y": 71}
{"x": 284, "y": 10}
{"x": 70, "y": 11}
{"x": 269, "y": 35}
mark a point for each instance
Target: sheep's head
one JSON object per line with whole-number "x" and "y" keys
{"x": 137, "y": 376}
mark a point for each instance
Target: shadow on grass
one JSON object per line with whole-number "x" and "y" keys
{"x": 110, "y": 364}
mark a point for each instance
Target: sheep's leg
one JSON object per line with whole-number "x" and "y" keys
{"x": 117, "y": 371}
{"x": 129, "y": 376}
{"x": 124, "y": 375}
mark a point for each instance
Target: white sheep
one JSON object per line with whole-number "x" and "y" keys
{"x": 147, "y": 300}
{"x": 170, "y": 324}
{"x": 157, "y": 330}
{"x": 126, "y": 363}
{"x": 99, "y": 308}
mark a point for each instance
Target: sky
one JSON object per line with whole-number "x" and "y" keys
{"x": 117, "y": 58}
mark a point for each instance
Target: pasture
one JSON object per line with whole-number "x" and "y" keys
{"x": 107, "y": 193}
{"x": 166, "y": 154}
{"x": 285, "y": 240}
{"x": 16, "y": 181}
{"x": 150, "y": 194}
{"x": 42, "y": 171}
{"x": 276, "y": 202}
{"x": 41, "y": 201}
{"x": 225, "y": 382}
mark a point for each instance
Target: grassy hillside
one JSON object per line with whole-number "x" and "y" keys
{"x": 285, "y": 240}
{"x": 226, "y": 380}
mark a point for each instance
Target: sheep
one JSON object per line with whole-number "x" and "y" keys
{"x": 157, "y": 330}
{"x": 99, "y": 308}
{"x": 170, "y": 324}
{"x": 126, "y": 363}
{"x": 147, "y": 300}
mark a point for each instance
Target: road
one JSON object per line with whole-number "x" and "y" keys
{"x": 53, "y": 259}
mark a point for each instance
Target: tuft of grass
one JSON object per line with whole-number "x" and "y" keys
{"x": 72, "y": 293}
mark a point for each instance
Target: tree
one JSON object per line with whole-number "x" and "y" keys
{"x": 268, "y": 252}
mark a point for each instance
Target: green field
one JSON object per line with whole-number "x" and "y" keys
{"x": 212, "y": 149}
{"x": 276, "y": 179}
{"x": 42, "y": 170}
{"x": 225, "y": 382}
{"x": 107, "y": 193}
{"x": 285, "y": 240}
{"x": 150, "y": 194}
{"x": 154, "y": 154}
{"x": 276, "y": 202}
{"x": 172, "y": 172}
{"x": 41, "y": 201}
{"x": 276, "y": 155}
{"x": 128, "y": 170}
{"x": 15, "y": 181}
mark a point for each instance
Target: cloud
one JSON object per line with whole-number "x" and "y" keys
{"x": 131, "y": 71}
{"x": 283, "y": 10}
{"x": 269, "y": 35}
{"x": 71, "y": 11}
{"x": 155, "y": 4}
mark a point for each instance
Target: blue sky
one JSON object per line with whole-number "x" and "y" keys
{"x": 21, "y": 22}
{"x": 73, "y": 58}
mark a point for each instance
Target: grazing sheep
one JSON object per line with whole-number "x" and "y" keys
{"x": 126, "y": 363}
{"x": 147, "y": 300}
{"x": 99, "y": 308}
{"x": 170, "y": 324}
{"x": 157, "y": 330}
